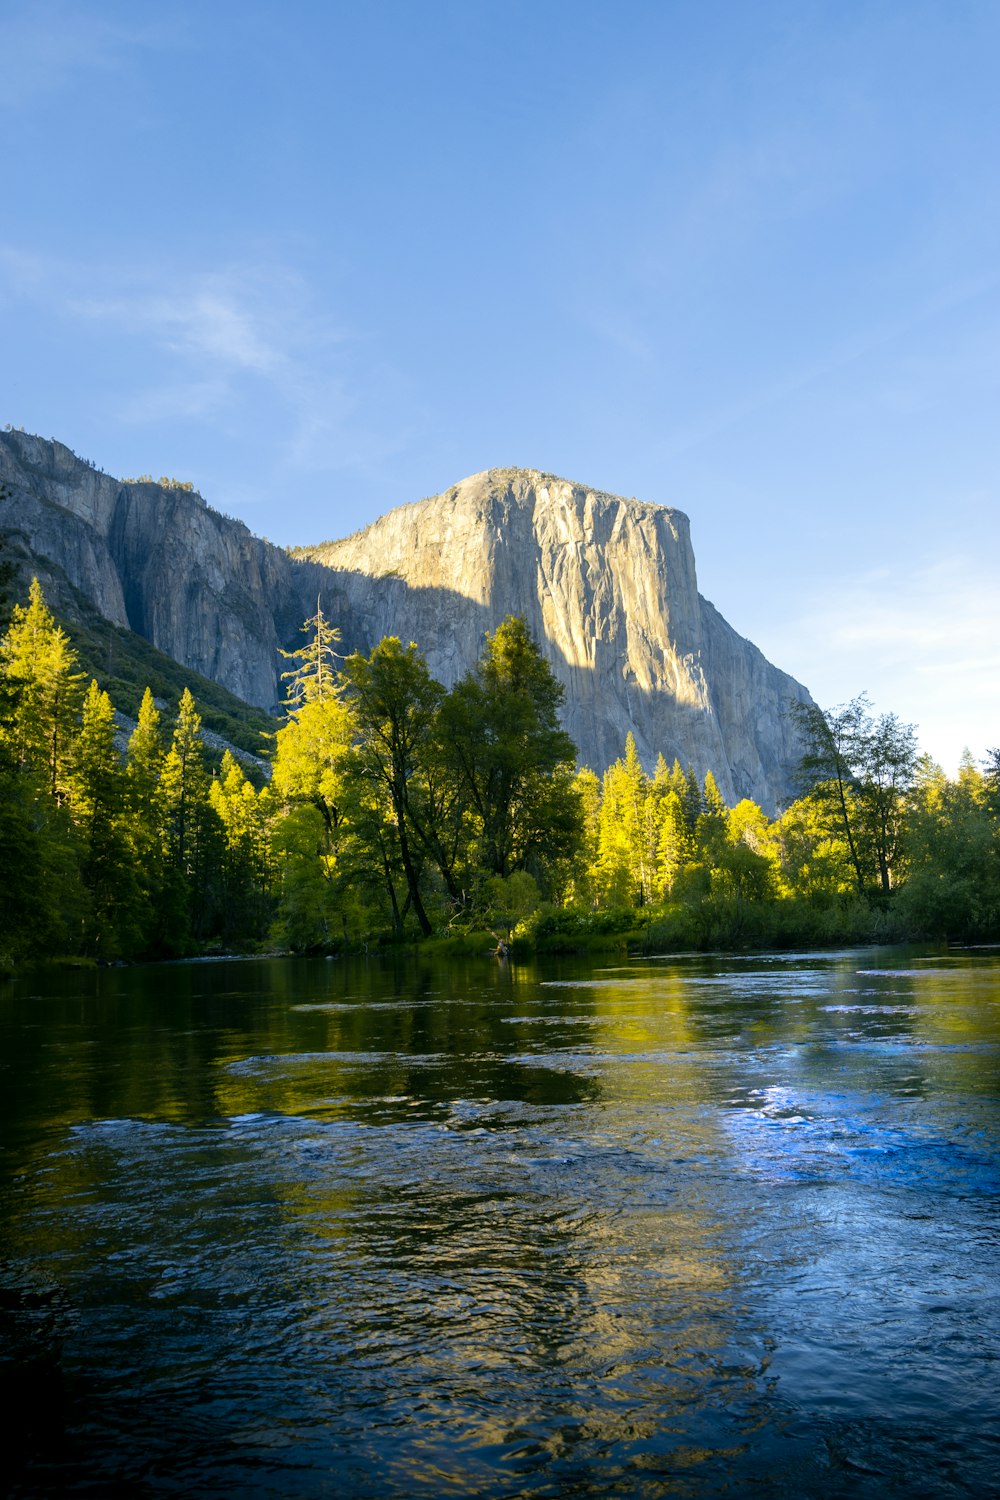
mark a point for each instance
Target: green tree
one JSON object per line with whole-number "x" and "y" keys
{"x": 43, "y": 693}
{"x": 42, "y": 900}
{"x": 143, "y": 764}
{"x": 98, "y": 802}
{"x": 314, "y": 677}
{"x": 675, "y": 844}
{"x": 310, "y": 762}
{"x": 144, "y": 760}
{"x": 395, "y": 701}
{"x": 952, "y": 889}
{"x": 860, "y": 769}
{"x": 513, "y": 760}
{"x": 583, "y": 887}
{"x": 746, "y": 870}
{"x": 183, "y": 788}
{"x": 189, "y": 830}
{"x": 814, "y": 861}
{"x": 312, "y": 833}
{"x": 626, "y": 846}
{"x": 245, "y": 872}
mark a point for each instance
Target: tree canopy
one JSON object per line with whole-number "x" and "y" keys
{"x": 398, "y": 810}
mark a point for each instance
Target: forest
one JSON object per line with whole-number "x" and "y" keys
{"x": 386, "y": 809}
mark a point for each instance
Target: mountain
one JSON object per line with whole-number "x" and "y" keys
{"x": 607, "y": 585}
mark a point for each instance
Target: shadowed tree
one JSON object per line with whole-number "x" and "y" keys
{"x": 860, "y": 769}
{"x": 395, "y": 700}
{"x": 514, "y": 760}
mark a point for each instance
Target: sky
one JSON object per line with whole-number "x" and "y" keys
{"x": 739, "y": 258}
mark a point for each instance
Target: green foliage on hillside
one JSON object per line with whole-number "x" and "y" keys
{"x": 125, "y": 664}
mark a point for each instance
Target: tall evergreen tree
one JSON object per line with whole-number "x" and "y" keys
{"x": 245, "y": 869}
{"x": 43, "y": 685}
{"x": 189, "y": 831}
{"x": 675, "y": 843}
{"x": 314, "y": 678}
{"x": 110, "y": 857}
{"x": 41, "y": 899}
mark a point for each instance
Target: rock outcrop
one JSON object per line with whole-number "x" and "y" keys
{"x": 607, "y": 586}
{"x": 157, "y": 560}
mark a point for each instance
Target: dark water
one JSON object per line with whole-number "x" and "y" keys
{"x": 685, "y": 1227}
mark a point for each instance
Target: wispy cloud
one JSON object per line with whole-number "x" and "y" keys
{"x": 48, "y": 44}
{"x": 202, "y": 332}
{"x": 246, "y": 317}
{"x": 238, "y": 346}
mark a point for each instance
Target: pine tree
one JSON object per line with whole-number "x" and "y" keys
{"x": 42, "y": 901}
{"x": 245, "y": 873}
{"x": 145, "y": 760}
{"x": 675, "y": 845}
{"x": 43, "y": 688}
{"x": 189, "y": 832}
{"x": 96, "y": 767}
{"x": 110, "y": 863}
{"x": 314, "y": 679}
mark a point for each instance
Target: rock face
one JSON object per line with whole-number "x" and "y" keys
{"x": 609, "y": 590}
{"x": 159, "y": 561}
{"x": 607, "y": 586}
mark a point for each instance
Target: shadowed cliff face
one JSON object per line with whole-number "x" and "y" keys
{"x": 607, "y": 586}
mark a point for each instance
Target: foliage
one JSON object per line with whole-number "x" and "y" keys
{"x": 398, "y": 811}
{"x": 312, "y": 679}
{"x": 861, "y": 770}
{"x": 514, "y": 762}
{"x": 126, "y": 665}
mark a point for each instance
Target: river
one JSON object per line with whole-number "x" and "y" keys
{"x": 679, "y": 1226}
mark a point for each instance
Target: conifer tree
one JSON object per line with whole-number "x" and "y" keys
{"x": 110, "y": 858}
{"x": 675, "y": 845}
{"x": 245, "y": 874}
{"x": 144, "y": 761}
{"x": 96, "y": 769}
{"x": 710, "y": 827}
{"x": 314, "y": 679}
{"x": 189, "y": 832}
{"x": 616, "y": 882}
{"x": 43, "y": 684}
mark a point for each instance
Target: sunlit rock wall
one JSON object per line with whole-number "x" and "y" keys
{"x": 609, "y": 589}
{"x": 607, "y": 585}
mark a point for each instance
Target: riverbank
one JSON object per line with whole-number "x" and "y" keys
{"x": 708, "y": 926}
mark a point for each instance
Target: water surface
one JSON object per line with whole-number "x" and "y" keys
{"x": 684, "y": 1226}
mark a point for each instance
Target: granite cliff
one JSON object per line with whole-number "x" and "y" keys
{"x": 607, "y": 586}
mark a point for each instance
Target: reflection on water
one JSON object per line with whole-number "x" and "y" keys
{"x": 677, "y": 1227}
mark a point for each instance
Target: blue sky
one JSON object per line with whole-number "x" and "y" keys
{"x": 741, "y": 258}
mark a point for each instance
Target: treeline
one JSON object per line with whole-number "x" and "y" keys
{"x": 880, "y": 846}
{"x": 165, "y": 482}
{"x": 397, "y": 810}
